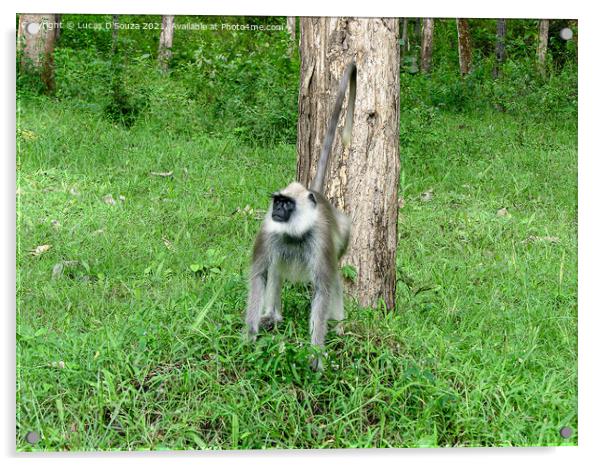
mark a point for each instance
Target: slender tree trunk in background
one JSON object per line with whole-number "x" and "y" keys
{"x": 464, "y": 47}
{"x": 291, "y": 26}
{"x": 426, "y": 50}
{"x": 542, "y": 46}
{"x": 417, "y": 30}
{"x": 362, "y": 180}
{"x": 165, "y": 41}
{"x": 115, "y": 28}
{"x": 405, "y": 44}
{"x": 36, "y": 40}
{"x": 500, "y": 47}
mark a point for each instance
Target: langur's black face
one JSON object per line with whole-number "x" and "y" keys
{"x": 282, "y": 208}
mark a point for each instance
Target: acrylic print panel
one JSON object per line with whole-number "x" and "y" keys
{"x": 147, "y": 151}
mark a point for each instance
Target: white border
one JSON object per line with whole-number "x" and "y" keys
{"x": 589, "y": 231}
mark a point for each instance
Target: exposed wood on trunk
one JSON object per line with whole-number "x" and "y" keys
{"x": 464, "y": 46}
{"x": 426, "y": 50}
{"x": 165, "y": 41}
{"x": 362, "y": 179}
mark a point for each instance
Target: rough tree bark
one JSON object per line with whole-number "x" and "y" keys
{"x": 464, "y": 47}
{"x": 426, "y": 49}
{"x": 542, "y": 46}
{"x": 165, "y": 41}
{"x": 362, "y": 179}
{"x": 500, "y": 47}
{"x": 37, "y": 36}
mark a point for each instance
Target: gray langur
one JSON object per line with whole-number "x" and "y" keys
{"x": 302, "y": 238}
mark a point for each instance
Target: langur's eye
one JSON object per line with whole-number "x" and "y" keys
{"x": 312, "y": 198}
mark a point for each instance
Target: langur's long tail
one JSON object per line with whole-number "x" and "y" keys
{"x": 349, "y": 77}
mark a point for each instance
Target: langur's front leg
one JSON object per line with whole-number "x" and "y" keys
{"x": 337, "y": 309}
{"x": 273, "y": 301}
{"x": 255, "y": 301}
{"x": 318, "y": 322}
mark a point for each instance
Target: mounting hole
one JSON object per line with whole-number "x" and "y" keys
{"x": 33, "y": 28}
{"x": 32, "y": 437}
{"x": 566, "y": 33}
{"x": 566, "y": 432}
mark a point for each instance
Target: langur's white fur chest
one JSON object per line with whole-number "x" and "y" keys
{"x": 294, "y": 271}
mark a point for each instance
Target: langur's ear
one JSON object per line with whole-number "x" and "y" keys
{"x": 312, "y": 198}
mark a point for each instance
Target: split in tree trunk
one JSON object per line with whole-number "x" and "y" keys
{"x": 542, "y": 46}
{"x": 57, "y": 18}
{"x": 426, "y": 50}
{"x": 36, "y": 40}
{"x": 363, "y": 179}
{"x": 165, "y": 41}
{"x": 464, "y": 47}
{"x": 500, "y": 47}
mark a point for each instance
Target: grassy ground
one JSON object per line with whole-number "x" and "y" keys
{"x": 136, "y": 343}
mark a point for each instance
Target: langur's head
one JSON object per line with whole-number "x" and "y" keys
{"x": 293, "y": 211}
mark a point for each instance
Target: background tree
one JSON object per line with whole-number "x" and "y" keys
{"x": 37, "y": 35}
{"x": 417, "y": 28}
{"x": 291, "y": 27}
{"x": 165, "y": 41}
{"x": 464, "y": 46}
{"x": 363, "y": 179}
{"x": 426, "y": 50}
{"x": 405, "y": 43}
{"x": 542, "y": 45}
{"x": 115, "y": 29}
{"x": 500, "y": 47}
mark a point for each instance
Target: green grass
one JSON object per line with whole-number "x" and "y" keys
{"x": 138, "y": 345}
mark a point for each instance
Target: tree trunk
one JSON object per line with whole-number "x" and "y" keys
{"x": 500, "y": 47}
{"x": 417, "y": 29}
{"x": 464, "y": 47}
{"x": 165, "y": 41}
{"x": 542, "y": 46}
{"x": 36, "y": 40}
{"x": 291, "y": 26}
{"x": 426, "y": 50}
{"x": 362, "y": 179}
{"x": 115, "y": 28}
{"x": 405, "y": 44}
